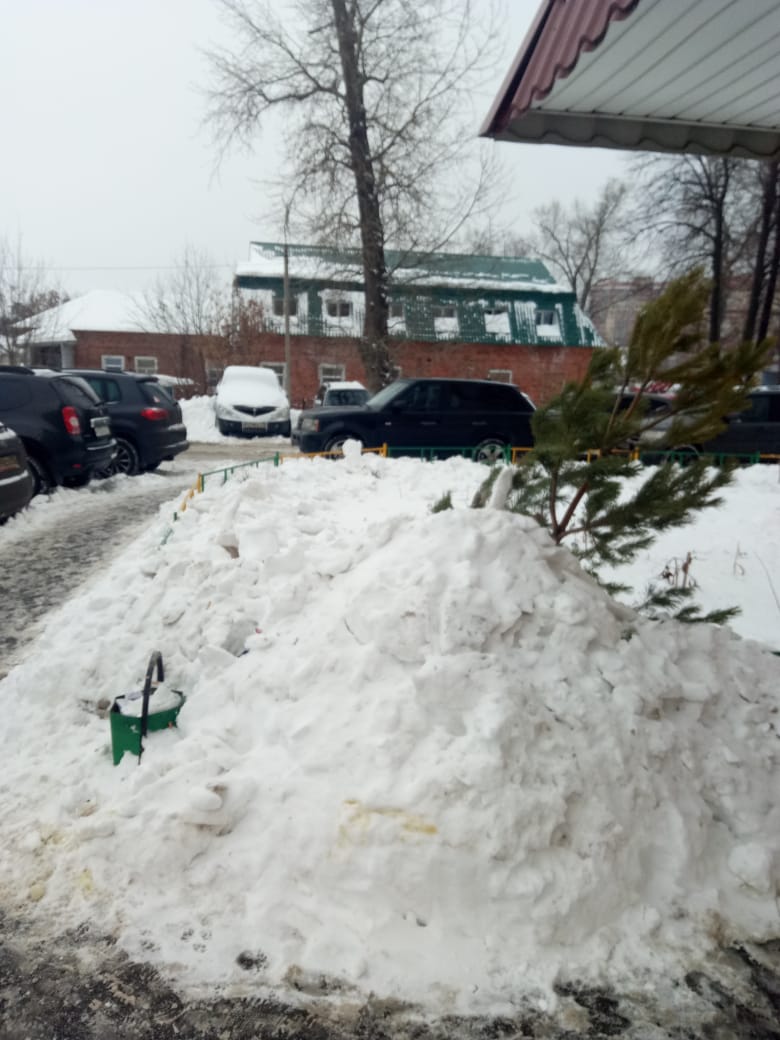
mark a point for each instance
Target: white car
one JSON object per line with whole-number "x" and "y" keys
{"x": 250, "y": 401}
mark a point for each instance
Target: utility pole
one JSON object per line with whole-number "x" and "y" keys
{"x": 287, "y": 351}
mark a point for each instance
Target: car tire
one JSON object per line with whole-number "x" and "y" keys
{"x": 336, "y": 444}
{"x": 42, "y": 479}
{"x": 491, "y": 450}
{"x": 126, "y": 458}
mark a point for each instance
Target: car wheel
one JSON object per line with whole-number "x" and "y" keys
{"x": 126, "y": 458}
{"x": 491, "y": 450}
{"x": 336, "y": 444}
{"x": 42, "y": 481}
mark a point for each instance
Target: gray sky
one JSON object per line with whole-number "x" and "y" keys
{"x": 107, "y": 172}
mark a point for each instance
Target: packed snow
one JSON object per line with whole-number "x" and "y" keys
{"x": 421, "y": 755}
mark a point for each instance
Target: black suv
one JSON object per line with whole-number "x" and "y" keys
{"x": 145, "y": 418}
{"x": 754, "y": 431}
{"x": 15, "y": 478}
{"x": 63, "y": 426}
{"x": 441, "y": 416}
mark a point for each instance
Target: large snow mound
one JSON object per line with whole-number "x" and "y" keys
{"x": 422, "y": 754}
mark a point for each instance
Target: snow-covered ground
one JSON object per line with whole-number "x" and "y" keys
{"x": 422, "y": 755}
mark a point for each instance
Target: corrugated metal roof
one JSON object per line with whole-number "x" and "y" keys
{"x": 322, "y": 263}
{"x": 698, "y": 76}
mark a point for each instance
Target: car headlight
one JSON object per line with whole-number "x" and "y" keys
{"x": 310, "y": 425}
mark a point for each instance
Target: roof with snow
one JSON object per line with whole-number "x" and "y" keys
{"x": 433, "y": 296}
{"x": 647, "y": 75}
{"x": 102, "y": 310}
{"x": 407, "y": 269}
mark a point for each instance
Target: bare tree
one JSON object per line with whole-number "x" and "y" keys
{"x": 376, "y": 95}
{"x": 584, "y": 243}
{"x": 195, "y": 305}
{"x": 699, "y": 210}
{"x": 766, "y": 258}
{"x": 190, "y": 301}
{"x": 25, "y": 292}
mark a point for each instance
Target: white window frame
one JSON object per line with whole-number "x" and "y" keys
{"x": 112, "y": 362}
{"x": 332, "y": 373}
{"x": 339, "y": 306}
{"x": 146, "y": 364}
{"x": 275, "y": 366}
{"x": 497, "y": 308}
{"x": 540, "y": 314}
{"x": 446, "y": 311}
{"x": 500, "y": 375}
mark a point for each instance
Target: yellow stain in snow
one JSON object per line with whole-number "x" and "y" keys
{"x": 362, "y": 817}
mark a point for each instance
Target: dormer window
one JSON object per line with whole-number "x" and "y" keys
{"x": 338, "y": 308}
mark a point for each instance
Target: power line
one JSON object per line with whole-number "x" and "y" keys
{"x": 158, "y": 267}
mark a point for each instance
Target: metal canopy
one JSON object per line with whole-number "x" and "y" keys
{"x": 649, "y": 75}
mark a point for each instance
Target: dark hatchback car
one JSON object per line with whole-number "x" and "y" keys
{"x": 16, "y": 485}
{"x": 754, "y": 431}
{"x": 440, "y": 416}
{"x": 64, "y": 427}
{"x": 145, "y": 418}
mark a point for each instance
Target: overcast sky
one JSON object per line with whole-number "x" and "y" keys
{"x": 107, "y": 172}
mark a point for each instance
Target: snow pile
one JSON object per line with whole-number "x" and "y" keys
{"x": 422, "y": 754}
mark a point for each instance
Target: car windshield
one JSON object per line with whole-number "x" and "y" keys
{"x": 387, "y": 394}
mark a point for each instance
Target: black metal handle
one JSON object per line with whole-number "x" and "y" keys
{"x": 155, "y": 659}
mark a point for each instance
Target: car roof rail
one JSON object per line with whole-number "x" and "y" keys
{"x": 20, "y": 369}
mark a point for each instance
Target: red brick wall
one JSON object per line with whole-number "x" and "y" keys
{"x": 540, "y": 371}
{"x": 181, "y": 356}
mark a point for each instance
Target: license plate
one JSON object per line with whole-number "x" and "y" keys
{"x": 101, "y": 427}
{"x": 254, "y": 426}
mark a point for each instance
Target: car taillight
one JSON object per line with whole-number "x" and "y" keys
{"x": 71, "y": 419}
{"x": 154, "y": 413}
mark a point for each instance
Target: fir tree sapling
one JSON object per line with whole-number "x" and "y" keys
{"x": 581, "y": 481}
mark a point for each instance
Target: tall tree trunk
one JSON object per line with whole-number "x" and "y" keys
{"x": 772, "y": 273}
{"x": 768, "y": 198}
{"x": 375, "y": 346}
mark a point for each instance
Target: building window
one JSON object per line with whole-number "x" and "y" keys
{"x": 279, "y": 306}
{"x": 213, "y": 375}
{"x": 397, "y": 310}
{"x": 500, "y": 375}
{"x": 444, "y": 310}
{"x": 339, "y": 308}
{"x": 546, "y": 318}
{"x": 332, "y": 373}
{"x": 275, "y": 366}
{"x": 497, "y": 308}
{"x": 146, "y": 365}
{"x": 112, "y": 362}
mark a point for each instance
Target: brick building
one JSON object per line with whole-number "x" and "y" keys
{"x": 462, "y": 316}
{"x": 450, "y": 314}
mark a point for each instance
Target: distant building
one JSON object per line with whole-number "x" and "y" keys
{"x": 450, "y": 314}
{"x": 615, "y": 304}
